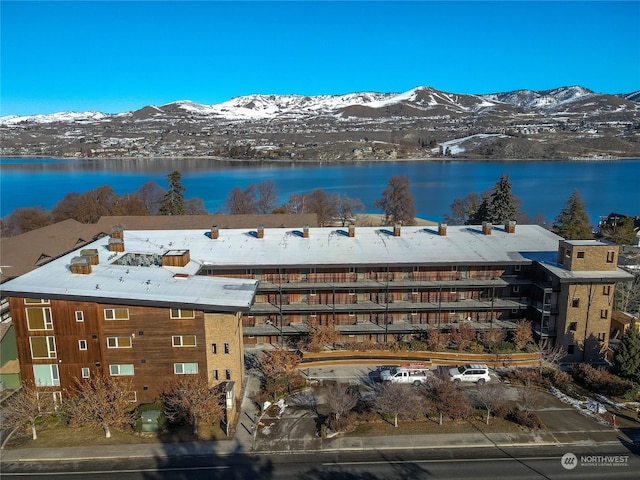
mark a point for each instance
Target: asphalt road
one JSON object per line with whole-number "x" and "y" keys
{"x": 611, "y": 462}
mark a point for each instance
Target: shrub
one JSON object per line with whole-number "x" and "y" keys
{"x": 345, "y": 423}
{"x": 503, "y": 347}
{"x": 599, "y": 380}
{"x": 476, "y": 347}
{"x": 526, "y": 419}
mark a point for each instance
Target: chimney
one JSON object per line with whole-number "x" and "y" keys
{"x": 442, "y": 229}
{"x": 486, "y": 228}
{"x": 116, "y": 245}
{"x": 81, "y": 265}
{"x": 305, "y": 231}
{"x": 510, "y": 226}
{"x": 352, "y": 230}
{"x": 215, "y": 233}
{"x": 91, "y": 254}
{"x": 117, "y": 231}
{"x": 396, "y": 230}
{"x": 260, "y": 231}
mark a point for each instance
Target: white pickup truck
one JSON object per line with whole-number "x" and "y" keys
{"x": 414, "y": 373}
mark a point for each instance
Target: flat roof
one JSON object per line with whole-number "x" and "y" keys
{"x": 279, "y": 247}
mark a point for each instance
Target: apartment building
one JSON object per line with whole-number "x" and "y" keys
{"x": 151, "y": 304}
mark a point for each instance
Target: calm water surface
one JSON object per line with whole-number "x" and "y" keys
{"x": 543, "y": 186}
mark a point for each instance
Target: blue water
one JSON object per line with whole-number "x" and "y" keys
{"x": 543, "y": 186}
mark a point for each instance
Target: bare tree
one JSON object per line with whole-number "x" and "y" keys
{"x": 397, "y": 203}
{"x": 321, "y": 336}
{"x": 94, "y": 204}
{"x": 267, "y": 196}
{"x": 627, "y": 294}
{"x": 491, "y": 395}
{"x": 65, "y": 208}
{"x": 446, "y": 398}
{"x": 279, "y": 367}
{"x": 522, "y": 334}
{"x": 102, "y": 401}
{"x": 397, "y": 399}
{"x": 341, "y": 399}
{"x": 325, "y": 206}
{"x": 23, "y": 220}
{"x": 437, "y": 340}
{"x": 493, "y": 336}
{"x": 27, "y": 406}
{"x": 151, "y": 195}
{"x": 195, "y": 206}
{"x": 462, "y": 209}
{"x": 347, "y": 207}
{"x": 529, "y": 398}
{"x": 297, "y": 203}
{"x": 189, "y": 398}
{"x": 463, "y": 335}
{"x": 241, "y": 202}
{"x": 549, "y": 354}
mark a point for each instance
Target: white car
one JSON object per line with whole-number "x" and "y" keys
{"x": 471, "y": 372}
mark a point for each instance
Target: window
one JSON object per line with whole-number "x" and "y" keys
{"x": 606, "y": 290}
{"x": 571, "y": 349}
{"x": 602, "y": 336}
{"x": 39, "y": 318}
{"x": 33, "y": 301}
{"x": 118, "y": 342}
{"x": 575, "y": 302}
{"x": 226, "y": 348}
{"x": 85, "y": 372}
{"x": 132, "y": 397}
{"x": 573, "y": 326}
{"x": 183, "y": 340}
{"x": 580, "y": 255}
{"x": 352, "y": 291}
{"x": 517, "y": 268}
{"x": 182, "y": 313}
{"x": 79, "y": 316}
{"x": 611, "y": 255}
{"x": 215, "y": 374}
{"x": 46, "y": 375}
{"x": 43, "y": 347}
{"x": 516, "y": 289}
{"x": 185, "y": 368}
{"x": 604, "y": 313}
{"x": 227, "y": 374}
{"x": 82, "y": 344}
{"x": 214, "y": 348}
{"x": 121, "y": 369}
{"x": 453, "y": 290}
{"x": 116, "y": 314}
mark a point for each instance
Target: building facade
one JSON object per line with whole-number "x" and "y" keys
{"x": 152, "y": 304}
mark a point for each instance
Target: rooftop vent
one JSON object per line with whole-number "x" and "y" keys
{"x": 117, "y": 231}
{"x": 305, "y": 231}
{"x": 510, "y": 226}
{"x": 260, "y": 231}
{"x": 81, "y": 265}
{"x": 176, "y": 258}
{"x": 215, "y": 233}
{"x": 486, "y": 228}
{"x": 116, "y": 245}
{"x": 92, "y": 254}
{"x": 442, "y": 229}
{"x": 352, "y": 230}
{"x": 396, "y": 230}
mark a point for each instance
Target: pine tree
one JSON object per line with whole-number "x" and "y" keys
{"x": 502, "y": 206}
{"x": 626, "y": 359}
{"x": 173, "y": 201}
{"x": 573, "y": 222}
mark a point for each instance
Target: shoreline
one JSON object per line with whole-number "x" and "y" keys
{"x": 328, "y": 162}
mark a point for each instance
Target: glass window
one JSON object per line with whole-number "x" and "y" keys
{"x": 121, "y": 369}
{"x": 183, "y": 340}
{"x": 32, "y": 301}
{"x": 185, "y": 368}
{"x": 79, "y": 316}
{"x": 226, "y": 348}
{"x": 118, "y": 342}
{"x": 227, "y": 374}
{"x": 116, "y": 314}
{"x": 39, "y": 318}
{"x": 182, "y": 313}
{"x": 82, "y": 344}
{"x": 43, "y": 347}
{"x": 46, "y": 375}
{"x": 85, "y": 372}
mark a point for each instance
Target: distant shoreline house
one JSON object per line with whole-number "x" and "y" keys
{"x": 151, "y": 304}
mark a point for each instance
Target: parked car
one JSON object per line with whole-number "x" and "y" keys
{"x": 416, "y": 374}
{"x": 471, "y": 372}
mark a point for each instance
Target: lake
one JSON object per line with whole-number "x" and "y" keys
{"x": 543, "y": 186}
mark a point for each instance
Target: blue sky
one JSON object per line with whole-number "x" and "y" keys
{"x": 118, "y": 56}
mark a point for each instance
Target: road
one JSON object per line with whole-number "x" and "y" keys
{"x": 477, "y": 463}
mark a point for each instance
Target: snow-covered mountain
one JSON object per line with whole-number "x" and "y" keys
{"x": 567, "y": 121}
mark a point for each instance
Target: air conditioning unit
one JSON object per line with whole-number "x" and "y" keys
{"x": 268, "y": 322}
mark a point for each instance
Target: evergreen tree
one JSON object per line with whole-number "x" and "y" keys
{"x": 173, "y": 201}
{"x": 573, "y": 222}
{"x": 502, "y": 206}
{"x": 626, "y": 359}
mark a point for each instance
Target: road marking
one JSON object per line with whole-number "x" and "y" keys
{"x": 508, "y": 459}
{"x": 110, "y": 472}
